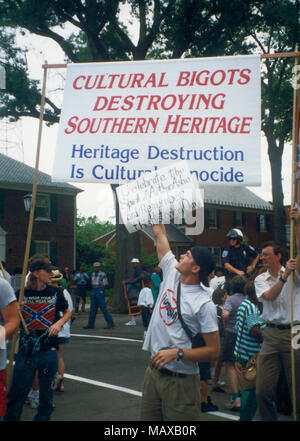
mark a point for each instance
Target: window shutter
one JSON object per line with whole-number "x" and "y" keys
{"x": 243, "y": 219}
{"x": 205, "y": 217}
{"x": 32, "y": 248}
{"x": 53, "y": 253}
{"x": 219, "y": 219}
{"x": 258, "y": 222}
{"x": 2, "y": 203}
{"x": 53, "y": 207}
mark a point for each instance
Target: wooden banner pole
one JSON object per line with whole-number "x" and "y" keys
{"x": 30, "y": 224}
{"x": 292, "y": 242}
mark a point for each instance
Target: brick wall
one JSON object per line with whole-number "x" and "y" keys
{"x": 59, "y": 231}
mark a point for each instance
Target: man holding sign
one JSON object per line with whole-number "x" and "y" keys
{"x": 171, "y": 389}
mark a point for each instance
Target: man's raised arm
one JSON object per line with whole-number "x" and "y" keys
{"x": 161, "y": 240}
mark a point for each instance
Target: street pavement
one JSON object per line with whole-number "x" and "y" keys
{"x": 104, "y": 371}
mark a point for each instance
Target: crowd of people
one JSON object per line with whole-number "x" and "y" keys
{"x": 197, "y": 319}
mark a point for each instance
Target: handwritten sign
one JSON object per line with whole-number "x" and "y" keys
{"x": 123, "y": 120}
{"x": 161, "y": 196}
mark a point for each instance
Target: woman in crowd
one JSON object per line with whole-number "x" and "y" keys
{"x": 248, "y": 344}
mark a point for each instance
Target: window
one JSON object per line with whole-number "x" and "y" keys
{"x": 212, "y": 218}
{"x": 42, "y": 247}
{"x": 239, "y": 219}
{"x": 42, "y": 207}
{"x": 216, "y": 251}
{"x": 262, "y": 223}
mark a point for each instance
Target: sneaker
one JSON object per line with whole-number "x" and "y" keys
{"x": 234, "y": 405}
{"x": 109, "y": 326}
{"x": 130, "y": 323}
{"x": 209, "y": 406}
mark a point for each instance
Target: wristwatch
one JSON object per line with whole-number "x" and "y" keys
{"x": 180, "y": 354}
{"x": 282, "y": 280}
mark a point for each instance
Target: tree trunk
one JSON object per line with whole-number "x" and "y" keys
{"x": 128, "y": 246}
{"x": 275, "y": 156}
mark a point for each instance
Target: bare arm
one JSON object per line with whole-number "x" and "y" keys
{"x": 161, "y": 240}
{"x": 11, "y": 319}
{"x": 232, "y": 269}
{"x": 207, "y": 353}
{"x": 253, "y": 264}
{"x": 272, "y": 293}
{"x": 56, "y": 327}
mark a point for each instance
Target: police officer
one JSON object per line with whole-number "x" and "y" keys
{"x": 238, "y": 258}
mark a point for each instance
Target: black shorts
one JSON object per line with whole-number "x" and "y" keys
{"x": 228, "y": 344}
{"x": 204, "y": 369}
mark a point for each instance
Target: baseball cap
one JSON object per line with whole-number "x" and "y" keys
{"x": 96, "y": 264}
{"x": 39, "y": 264}
{"x": 204, "y": 258}
{"x": 134, "y": 260}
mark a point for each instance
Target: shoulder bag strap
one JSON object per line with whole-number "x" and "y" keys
{"x": 187, "y": 330}
{"x": 244, "y": 318}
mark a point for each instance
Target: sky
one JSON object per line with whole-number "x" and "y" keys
{"x": 96, "y": 199}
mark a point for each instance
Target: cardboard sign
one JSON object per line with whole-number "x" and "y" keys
{"x": 170, "y": 194}
{"x": 123, "y": 120}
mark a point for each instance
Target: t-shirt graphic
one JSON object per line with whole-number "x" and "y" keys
{"x": 168, "y": 307}
{"x": 39, "y": 315}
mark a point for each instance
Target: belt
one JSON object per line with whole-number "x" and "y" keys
{"x": 165, "y": 371}
{"x": 272, "y": 325}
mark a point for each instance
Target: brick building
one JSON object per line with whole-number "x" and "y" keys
{"x": 53, "y": 232}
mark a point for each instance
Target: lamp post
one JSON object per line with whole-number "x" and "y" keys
{"x": 27, "y": 202}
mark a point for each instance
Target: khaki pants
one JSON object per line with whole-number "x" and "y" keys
{"x": 275, "y": 352}
{"x": 170, "y": 398}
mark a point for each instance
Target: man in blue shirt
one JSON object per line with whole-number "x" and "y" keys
{"x": 99, "y": 283}
{"x": 238, "y": 258}
{"x": 81, "y": 279}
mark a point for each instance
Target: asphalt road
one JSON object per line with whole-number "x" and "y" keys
{"x": 104, "y": 375}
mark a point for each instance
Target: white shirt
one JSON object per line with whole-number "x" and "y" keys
{"x": 165, "y": 329}
{"x": 278, "y": 311}
{"x": 66, "y": 329}
{"x": 145, "y": 297}
{"x": 217, "y": 282}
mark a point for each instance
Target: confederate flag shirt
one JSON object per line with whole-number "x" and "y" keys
{"x": 41, "y": 309}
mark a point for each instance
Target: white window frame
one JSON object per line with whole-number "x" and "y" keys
{"x": 212, "y": 215}
{"x": 38, "y": 247}
{"x": 47, "y": 216}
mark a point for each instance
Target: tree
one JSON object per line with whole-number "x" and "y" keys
{"x": 167, "y": 29}
{"x": 88, "y": 251}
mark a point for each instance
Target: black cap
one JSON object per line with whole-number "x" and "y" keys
{"x": 40, "y": 264}
{"x": 204, "y": 258}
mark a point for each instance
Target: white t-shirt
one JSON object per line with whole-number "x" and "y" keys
{"x": 66, "y": 329}
{"x": 165, "y": 329}
{"x": 278, "y": 311}
{"x": 145, "y": 297}
{"x": 7, "y": 296}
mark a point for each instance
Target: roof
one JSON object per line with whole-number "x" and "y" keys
{"x": 231, "y": 196}
{"x": 174, "y": 234}
{"x": 14, "y": 173}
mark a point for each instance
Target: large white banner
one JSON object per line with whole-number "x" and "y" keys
{"x": 123, "y": 119}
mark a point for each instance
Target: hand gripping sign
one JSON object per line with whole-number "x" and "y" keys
{"x": 168, "y": 195}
